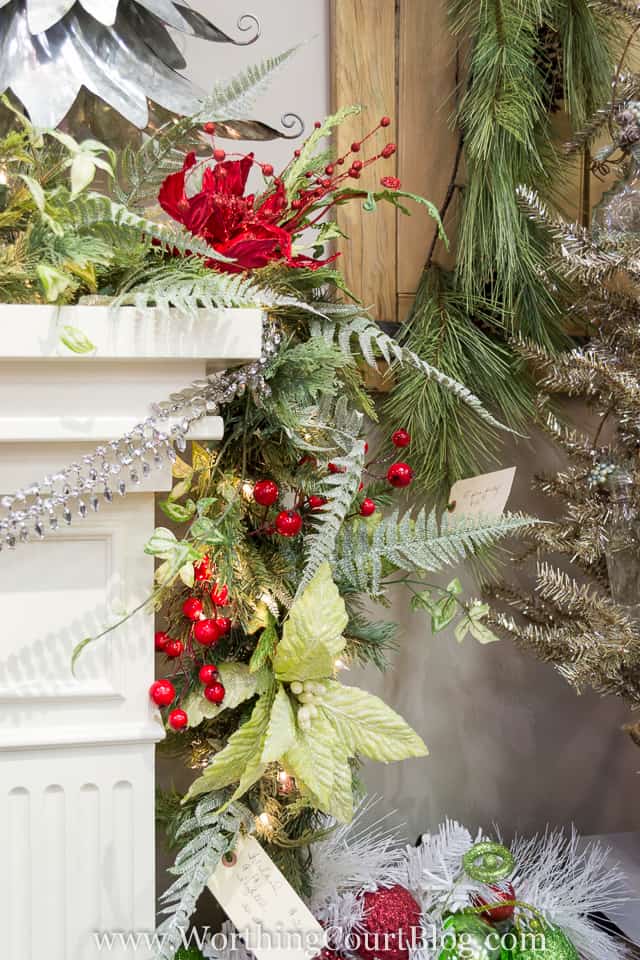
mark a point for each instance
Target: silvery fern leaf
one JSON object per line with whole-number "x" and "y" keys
{"x": 422, "y": 543}
{"x": 212, "y": 835}
{"x": 190, "y": 287}
{"x": 373, "y": 342}
{"x": 338, "y": 488}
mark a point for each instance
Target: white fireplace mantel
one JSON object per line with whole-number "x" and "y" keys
{"x": 77, "y": 752}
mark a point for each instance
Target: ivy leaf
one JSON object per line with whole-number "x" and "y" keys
{"x": 482, "y": 633}
{"x": 239, "y": 760}
{"x": 462, "y": 629}
{"x": 83, "y": 170}
{"x": 204, "y": 505}
{"x": 366, "y": 725}
{"x": 281, "y": 732}
{"x": 187, "y": 574}
{"x": 206, "y": 531}
{"x": 183, "y": 486}
{"x": 267, "y": 642}
{"x": 312, "y": 633}
{"x": 162, "y": 543}
{"x": 36, "y": 191}
{"x": 177, "y": 511}
{"x": 443, "y": 613}
{"x": 239, "y": 684}
{"x": 54, "y": 282}
{"x": 180, "y": 469}
{"x": 455, "y": 587}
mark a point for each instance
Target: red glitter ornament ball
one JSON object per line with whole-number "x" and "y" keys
{"x": 178, "y": 719}
{"x": 192, "y": 608}
{"x": 265, "y": 492}
{"x": 174, "y": 648}
{"x": 161, "y": 639}
{"x": 162, "y": 692}
{"x": 206, "y": 632}
{"x": 215, "y": 692}
{"x": 401, "y": 438}
{"x": 500, "y": 892}
{"x": 289, "y": 523}
{"x": 399, "y": 474}
{"x": 391, "y": 924}
{"x": 219, "y": 595}
{"x": 224, "y": 625}
{"x": 367, "y": 507}
{"x": 316, "y": 502}
{"x": 207, "y": 673}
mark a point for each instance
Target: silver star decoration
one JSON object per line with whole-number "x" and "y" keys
{"x": 119, "y": 50}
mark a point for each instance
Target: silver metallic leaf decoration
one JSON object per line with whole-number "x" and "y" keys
{"x": 121, "y": 51}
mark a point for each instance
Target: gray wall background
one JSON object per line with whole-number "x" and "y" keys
{"x": 510, "y": 742}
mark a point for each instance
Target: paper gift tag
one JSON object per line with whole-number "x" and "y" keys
{"x": 270, "y": 917}
{"x": 486, "y": 494}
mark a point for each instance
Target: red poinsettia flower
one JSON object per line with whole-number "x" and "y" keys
{"x": 230, "y": 222}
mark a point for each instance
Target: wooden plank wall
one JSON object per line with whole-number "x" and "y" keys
{"x": 398, "y": 57}
{"x": 395, "y": 57}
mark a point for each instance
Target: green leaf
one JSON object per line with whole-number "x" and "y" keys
{"x": 161, "y": 544}
{"x": 239, "y": 684}
{"x": 36, "y": 191}
{"x": 369, "y": 205}
{"x": 76, "y": 340}
{"x": 462, "y": 629}
{"x": 366, "y": 725}
{"x": 83, "y": 170}
{"x": 454, "y": 587}
{"x": 178, "y": 511}
{"x": 205, "y": 504}
{"x": 281, "y": 732}
{"x": 239, "y": 760}
{"x": 206, "y": 531}
{"x": 54, "y": 282}
{"x": 443, "y": 613}
{"x": 319, "y": 762}
{"x": 187, "y": 574}
{"x": 312, "y": 633}
{"x": 183, "y": 486}
{"x": 77, "y": 650}
{"x": 482, "y": 633}
{"x": 267, "y": 642}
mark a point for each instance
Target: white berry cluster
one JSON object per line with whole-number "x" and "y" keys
{"x": 309, "y": 694}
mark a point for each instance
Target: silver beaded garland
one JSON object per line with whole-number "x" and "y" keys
{"x": 117, "y": 466}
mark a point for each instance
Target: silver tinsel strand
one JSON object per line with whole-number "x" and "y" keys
{"x": 114, "y": 468}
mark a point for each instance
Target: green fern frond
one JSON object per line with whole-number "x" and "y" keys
{"x": 338, "y": 488}
{"x": 372, "y": 341}
{"x": 211, "y": 834}
{"x": 421, "y": 543}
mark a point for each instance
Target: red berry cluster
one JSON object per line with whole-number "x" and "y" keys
{"x": 205, "y": 630}
{"x": 399, "y": 474}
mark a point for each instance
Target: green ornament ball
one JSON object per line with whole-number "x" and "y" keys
{"x": 557, "y": 946}
{"x": 466, "y": 939}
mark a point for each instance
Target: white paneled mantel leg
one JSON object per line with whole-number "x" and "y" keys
{"x": 77, "y": 752}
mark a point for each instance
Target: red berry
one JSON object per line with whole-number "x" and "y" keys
{"x": 355, "y": 146}
{"x": 219, "y": 155}
{"x": 367, "y": 507}
{"x": 334, "y": 468}
{"x": 209, "y": 128}
{"x": 265, "y": 492}
{"x": 329, "y": 169}
{"x": 267, "y": 169}
{"x": 224, "y": 625}
{"x": 503, "y": 891}
{"x": 307, "y": 459}
{"x": 161, "y": 639}
{"x": 174, "y": 648}
{"x": 214, "y": 692}
{"x": 296, "y": 153}
{"x": 219, "y": 595}
{"x": 355, "y": 174}
{"x": 357, "y": 165}
{"x": 388, "y": 151}
{"x": 366, "y": 447}
{"x": 288, "y": 523}
{"x": 162, "y": 692}
{"x": 192, "y": 608}
{"x": 401, "y": 438}
{"x": 317, "y": 124}
{"x": 316, "y": 502}
{"x": 207, "y": 673}
{"x": 309, "y": 174}
{"x": 385, "y": 121}
{"x": 399, "y": 474}
{"x": 206, "y": 632}
{"x": 202, "y": 570}
{"x": 178, "y": 719}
